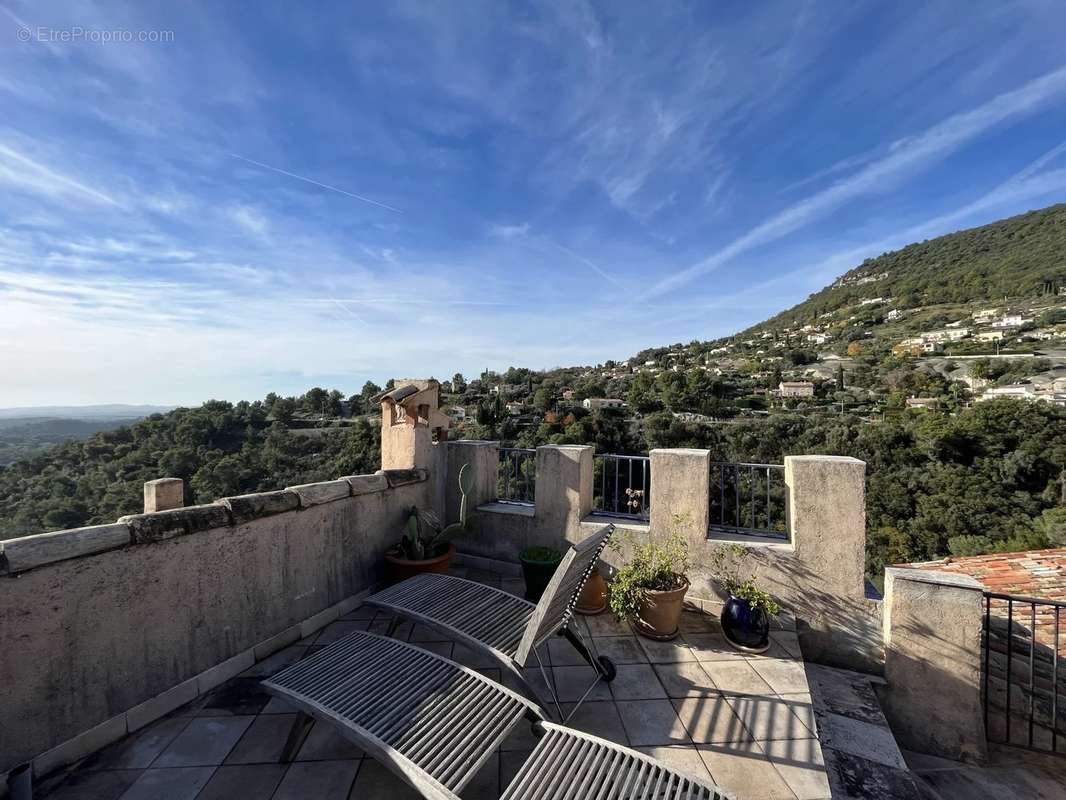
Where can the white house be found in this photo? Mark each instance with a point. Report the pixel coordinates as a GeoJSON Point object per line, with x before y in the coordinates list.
{"type": "Point", "coordinates": [795, 389]}
{"type": "Point", "coordinates": [596, 403]}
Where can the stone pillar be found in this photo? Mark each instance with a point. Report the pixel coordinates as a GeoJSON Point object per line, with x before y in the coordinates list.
{"type": "Point", "coordinates": [932, 628]}
{"type": "Point", "coordinates": [563, 494]}
{"type": "Point", "coordinates": [827, 520]}
{"type": "Point", "coordinates": [484, 461]}
{"type": "Point", "coordinates": [164, 494]}
{"type": "Point", "coordinates": [680, 486]}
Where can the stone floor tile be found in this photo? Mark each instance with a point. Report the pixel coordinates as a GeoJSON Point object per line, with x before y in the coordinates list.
{"type": "Point", "coordinates": [515, 586]}
{"type": "Point", "coordinates": [863, 739]}
{"type": "Point", "coordinates": [711, 647]}
{"type": "Point", "coordinates": [275, 662]}
{"type": "Point", "coordinates": [321, 780]}
{"type": "Point", "coordinates": [684, 758]}
{"type": "Point", "coordinates": [533, 677]}
{"type": "Point", "coordinates": [799, 762]}
{"type": "Point", "coordinates": [745, 771]}
{"type": "Point", "coordinates": [784, 677]}
{"type": "Point", "coordinates": [598, 718]}
{"type": "Point", "coordinates": [205, 741]}
{"type": "Point", "coordinates": [381, 626]}
{"type": "Point", "coordinates": [853, 778]}
{"type": "Point", "coordinates": [485, 785]}
{"type": "Point", "coordinates": [264, 740]}
{"type": "Point", "coordinates": [801, 705]}
{"type": "Point", "coordinates": [652, 722]}
{"type": "Point", "coordinates": [636, 682]}
{"type": "Point", "coordinates": [245, 781]}
{"type": "Point", "coordinates": [564, 654]}
{"type": "Point", "coordinates": [698, 622]}
{"type": "Point", "coordinates": [670, 652]}
{"type": "Point", "coordinates": [474, 659]}
{"type": "Point", "coordinates": [138, 750]}
{"type": "Point", "coordinates": [711, 720]}
{"type": "Point", "coordinates": [788, 641]}
{"type": "Point", "coordinates": [323, 743]}
{"type": "Point", "coordinates": [620, 649]}
{"type": "Point", "coordinates": [685, 679]}
{"type": "Point", "coordinates": [785, 621]}
{"type": "Point", "coordinates": [768, 717]}
{"type": "Point", "coordinates": [736, 676]}
{"type": "Point", "coordinates": [340, 629]}
{"type": "Point", "coordinates": [107, 785]}
{"type": "Point", "coordinates": [236, 697]}
{"type": "Point", "coordinates": [579, 625]}
{"type": "Point", "coordinates": [511, 762]}
{"type": "Point", "coordinates": [423, 633]}
{"type": "Point", "coordinates": [179, 783]}
{"type": "Point", "coordinates": [521, 738]}
{"type": "Point", "coordinates": [607, 625]}
{"type": "Point", "coordinates": [373, 782]}
{"type": "Point", "coordinates": [278, 705]}
{"type": "Point", "coordinates": [845, 693]}
{"type": "Point", "coordinates": [361, 612]}
{"type": "Point", "coordinates": [571, 683]}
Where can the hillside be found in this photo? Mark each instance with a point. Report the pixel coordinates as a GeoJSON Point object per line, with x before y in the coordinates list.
{"type": "Point", "coordinates": [1017, 257]}
{"type": "Point", "coordinates": [25, 437]}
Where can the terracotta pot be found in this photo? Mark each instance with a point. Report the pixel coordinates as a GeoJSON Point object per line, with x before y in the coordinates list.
{"type": "Point", "coordinates": [660, 613]}
{"type": "Point", "coordinates": [593, 599]}
{"type": "Point", "coordinates": [398, 568]}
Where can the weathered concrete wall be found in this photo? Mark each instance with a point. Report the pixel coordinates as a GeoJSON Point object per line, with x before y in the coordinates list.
{"type": "Point", "coordinates": [88, 631]}
{"type": "Point", "coordinates": [818, 574]}
{"type": "Point", "coordinates": [932, 633]}
{"type": "Point", "coordinates": [563, 497]}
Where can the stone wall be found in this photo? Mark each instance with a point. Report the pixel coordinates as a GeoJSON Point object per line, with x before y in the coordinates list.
{"type": "Point", "coordinates": [818, 574]}
{"type": "Point", "coordinates": [102, 627]}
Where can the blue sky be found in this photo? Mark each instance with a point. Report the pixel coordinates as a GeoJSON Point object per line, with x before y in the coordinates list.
{"type": "Point", "coordinates": [274, 199]}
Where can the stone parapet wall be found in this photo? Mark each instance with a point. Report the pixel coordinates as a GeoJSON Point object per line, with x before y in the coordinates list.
{"type": "Point", "coordinates": [100, 620]}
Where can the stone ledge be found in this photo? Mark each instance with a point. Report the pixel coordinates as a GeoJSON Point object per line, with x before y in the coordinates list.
{"type": "Point", "coordinates": [315, 494]}
{"type": "Point", "coordinates": [246, 507]}
{"type": "Point", "coordinates": [83, 744]}
{"type": "Point", "coordinates": [593, 522]}
{"type": "Point", "coordinates": [367, 484]}
{"type": "Point", "coordinates": [514, 509]}
{"type": "Point", "coordinates": [402, 477]}
{"type": "Point", "coordinates": [163, 525]}
{"type": "Point", "coordinates": [18, 555]}
{"type": "Point", "coordinates": [949, 579]}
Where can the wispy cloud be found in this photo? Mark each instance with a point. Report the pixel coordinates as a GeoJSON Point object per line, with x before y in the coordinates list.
{"type": "Point", "coordinates": [19, 171]}
{"type": "Point", "coordinates": [903, 160]}
{"type": "Point", "coordinates": [316, 183]}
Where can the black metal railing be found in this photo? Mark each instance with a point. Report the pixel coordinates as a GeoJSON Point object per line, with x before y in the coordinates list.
{"type": "Point", "coordinates": [621, 485]}
{"type": "Point", "coordinates": [517, 479]}
{"type": "Point", "coordinates": [748, 498]}
{"type": "Point", "coordinates": [1023, 688]}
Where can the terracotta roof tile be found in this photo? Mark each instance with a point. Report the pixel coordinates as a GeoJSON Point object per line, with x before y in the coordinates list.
{"type": "Point", "coordinates": [1040, 573]}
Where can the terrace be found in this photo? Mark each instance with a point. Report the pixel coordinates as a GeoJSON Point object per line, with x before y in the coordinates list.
{"type": "Point", "coordinates": [132, 652]}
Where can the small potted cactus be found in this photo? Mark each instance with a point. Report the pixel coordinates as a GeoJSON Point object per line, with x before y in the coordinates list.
{"type": "Point", "coordinates": [426, 545]}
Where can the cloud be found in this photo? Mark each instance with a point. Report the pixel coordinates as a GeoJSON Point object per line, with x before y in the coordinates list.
{"type": "Point", "coordinates": [251, 219]}
{"type": "Point", "coordinates": [509, 231]}
{"type": "Point", "coordinates": [904, 159]}
{"type": "Point", "coordinates": [22, 172]}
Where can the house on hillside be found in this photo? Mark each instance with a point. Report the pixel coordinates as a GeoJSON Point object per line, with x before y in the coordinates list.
{"type": "Point", "coordinates": [597, 403]}
{"type": "Point", "coordinates": [795, 389]}
{"type": "Point", "coordinates": [990, 336]}
{"type": "Point", "coordinates": [923, 403]}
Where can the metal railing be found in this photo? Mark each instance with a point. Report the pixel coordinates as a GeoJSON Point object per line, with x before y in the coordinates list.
{"type": "Point", "coordinates": [517, 478]}
{"type": "Point", "coordinates": [748, 498]}
{"type": "Point", "coordinates": [621, 486]}
{"type": "Point", "coordinates": [1023, 688]}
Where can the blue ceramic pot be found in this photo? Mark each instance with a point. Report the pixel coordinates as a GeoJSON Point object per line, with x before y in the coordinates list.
{"type": "Point", "coordinates": [745, 629]}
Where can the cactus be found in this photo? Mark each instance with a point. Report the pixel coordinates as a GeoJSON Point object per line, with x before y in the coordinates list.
{"type": "Point", "coordinates": [416, 545]}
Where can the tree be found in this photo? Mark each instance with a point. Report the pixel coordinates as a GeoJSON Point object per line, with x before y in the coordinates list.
{"type": "Point", "coordinates": [458, 383]}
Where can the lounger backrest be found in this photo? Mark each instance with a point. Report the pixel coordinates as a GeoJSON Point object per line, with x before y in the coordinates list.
{"type": "Point", "coordinates": [557, 604]}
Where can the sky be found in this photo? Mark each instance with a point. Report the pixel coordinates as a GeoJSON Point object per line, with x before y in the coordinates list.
{"type": "Point", "coordinates": [221, 200]}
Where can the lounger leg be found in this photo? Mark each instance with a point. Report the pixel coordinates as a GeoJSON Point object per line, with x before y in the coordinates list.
{"type": "Point", "coordinates": [583, 651]}
{"type": "Point", "coordinates": [301, 726]}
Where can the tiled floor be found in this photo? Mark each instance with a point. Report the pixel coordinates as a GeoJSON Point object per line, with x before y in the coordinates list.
{"type": "Point", "coordinates": [744, 722]}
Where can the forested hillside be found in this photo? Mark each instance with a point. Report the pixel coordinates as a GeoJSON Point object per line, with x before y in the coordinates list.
{"type": "Point", "coordinates": [1019, 256]}
{"type": "Point", "coordinates": [219, 449]}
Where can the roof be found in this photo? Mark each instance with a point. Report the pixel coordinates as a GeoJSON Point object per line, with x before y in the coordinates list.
{"type": "Point", "coordinates": [1037, 573]}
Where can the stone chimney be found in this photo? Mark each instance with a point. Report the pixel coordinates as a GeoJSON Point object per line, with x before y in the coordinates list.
{"type": "Point", "coordinates": [411, 422]}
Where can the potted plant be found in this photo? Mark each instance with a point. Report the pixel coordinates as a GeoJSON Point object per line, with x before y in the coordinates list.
{"type": "Point", "coordinates": [426, 545]}
{"type": "Point", "coordinates": [649, 590]}
{"type": "Point", "coordinates": [538, 566]}
{"type": "Point", "coordinates": [593, 598]}
{"type": "Point", "coordinates": [747, 610]}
